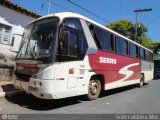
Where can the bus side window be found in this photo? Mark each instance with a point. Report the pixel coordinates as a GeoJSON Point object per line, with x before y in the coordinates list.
{"type": "Point", "coordinates": [75, 47]}
{"type": "Point", "coordinates": [125, 47]}
{"type": "Point", "coordinates": [142, 53]}
{"type": "Point", "coordinates": [119, 45]}
{"type": "Point", "coordinates": [132, 50]}
{"type": "Point", "coordinates": [91, 28]}
{"type": "Point", "coordinates": [151, 57]}
{"type": "Point", "coordinates": [82, 46]}
{"type": "Point", "coordinates": [137, 52]}
{"type": "Point", "coordinates": [112, 42]}
{"type": "Point", "coordinates": [103, 38]}
{"type": "Point", "coordinates": [147, 55]}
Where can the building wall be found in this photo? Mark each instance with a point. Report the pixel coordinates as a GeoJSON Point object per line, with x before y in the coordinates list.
{"type": "Point", "coordinates": [16, 21]}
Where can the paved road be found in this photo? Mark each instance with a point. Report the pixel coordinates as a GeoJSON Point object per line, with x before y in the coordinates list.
{"type": "Point", "coordinates": [124, 100]}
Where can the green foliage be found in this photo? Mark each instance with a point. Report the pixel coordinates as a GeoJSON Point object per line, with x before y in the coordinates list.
{"type": "Point", "coordinates": [141, 30]}
{"type": "Point", "coordinates": [146, 42]}
{"type": "Point", "coordinates": [126, 28]}
{"type": "Point", "coordinates": [123, 27]}
{"type": "Point", "coordinates": [150, 44]}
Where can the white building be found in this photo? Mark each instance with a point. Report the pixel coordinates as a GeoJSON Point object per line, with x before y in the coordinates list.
{"type": "Point", "coordinates": [13, 19]}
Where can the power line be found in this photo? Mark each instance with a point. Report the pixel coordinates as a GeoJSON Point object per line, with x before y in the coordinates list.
{"type": "Point", "coordinates": [153, 20]}
{"type": "Point", "coordinates": [106, 21]}
{"type": "Point", "coordinates": [42, 5]}
{"type": "Point", "coordinates": [58, 5]}
{"type": "Point", "coordinates": [49, 5]}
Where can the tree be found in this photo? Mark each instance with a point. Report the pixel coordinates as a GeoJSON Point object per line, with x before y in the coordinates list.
{"type": "Point", "coordinates": [123, 27]}
{"type": "Point", "coordinates": [127, 29]}
{"type": "Point", "coordinates": [148, 43]}
{"type": "Point", "coordinates": [141, 31]}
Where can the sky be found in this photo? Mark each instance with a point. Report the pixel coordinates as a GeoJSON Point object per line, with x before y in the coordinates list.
{"type": "Point", "coordinates": [110, 10]}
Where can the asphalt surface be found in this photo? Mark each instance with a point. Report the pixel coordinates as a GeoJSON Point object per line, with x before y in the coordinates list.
{"type": "Point", "coordinates": [131, 99]}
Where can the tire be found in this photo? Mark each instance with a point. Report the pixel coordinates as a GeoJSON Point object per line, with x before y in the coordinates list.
{"type": "Point", "coordinates": [94, 89]}
{"type": "Point", "coordinates": [141, 83]}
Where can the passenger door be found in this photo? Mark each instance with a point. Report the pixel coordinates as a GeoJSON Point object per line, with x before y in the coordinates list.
{"type": "Point", "coordinates": [70, 54]}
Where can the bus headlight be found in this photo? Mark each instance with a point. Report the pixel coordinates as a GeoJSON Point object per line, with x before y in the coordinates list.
{"type": "Point", "coordinates": [37, 83]}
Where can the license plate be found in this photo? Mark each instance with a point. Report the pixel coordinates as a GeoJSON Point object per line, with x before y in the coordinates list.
{"type": "Point", "coordinates": [30, 88]}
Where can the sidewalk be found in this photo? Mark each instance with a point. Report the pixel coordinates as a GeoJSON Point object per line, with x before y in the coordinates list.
{"type": "Point", "coordinates": [7, 89]}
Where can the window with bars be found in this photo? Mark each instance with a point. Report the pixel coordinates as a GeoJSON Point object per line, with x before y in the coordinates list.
{"type": "Point", "coordinates": [5, 34]}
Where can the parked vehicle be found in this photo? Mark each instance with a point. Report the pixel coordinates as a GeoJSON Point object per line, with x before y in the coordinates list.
{"type": "Point", "coordinates": [157, 69]}
{"type": "Point", "coordinates": [67, 54]}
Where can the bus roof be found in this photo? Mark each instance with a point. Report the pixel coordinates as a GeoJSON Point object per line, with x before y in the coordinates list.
{"type": "Point", "coordinates": [63, 15]}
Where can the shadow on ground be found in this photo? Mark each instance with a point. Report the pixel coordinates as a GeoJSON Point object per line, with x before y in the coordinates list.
{"type": "Point", "coordinates": [157, 78]}
{"type": "Point", "coordinates": [8, 88]}
{"type": "Point", "coordinates": [33, 103]}
{"type": "Point", "coordinates": [119, 90]}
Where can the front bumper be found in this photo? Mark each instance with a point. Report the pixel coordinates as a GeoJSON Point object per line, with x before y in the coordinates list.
{"type": "Point", "coordinates": [43, 89]}
{"type": "Point", "coordinates": [21, 85]}
{"type": "Point", "coordinates": [39, 88]}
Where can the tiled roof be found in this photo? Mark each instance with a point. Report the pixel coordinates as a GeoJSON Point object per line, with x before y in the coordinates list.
{"type": "Point", "coordinates": [17, 8]}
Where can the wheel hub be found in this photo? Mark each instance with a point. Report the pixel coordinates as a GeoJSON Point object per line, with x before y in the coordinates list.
{"type": "Point", "coordinates": [93, 88]}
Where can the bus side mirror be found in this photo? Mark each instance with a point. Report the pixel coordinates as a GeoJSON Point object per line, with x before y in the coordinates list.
{"type": "Point", "coordinates": [15, 43]}
{"type": "Point", "coordinates": [12, 43]}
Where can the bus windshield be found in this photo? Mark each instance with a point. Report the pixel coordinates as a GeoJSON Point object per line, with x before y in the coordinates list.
{"type": "Point", "coordinates": [38, 40]}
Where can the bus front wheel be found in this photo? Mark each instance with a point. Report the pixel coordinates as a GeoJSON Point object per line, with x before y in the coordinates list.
{"type": "Point", "coordinates": [94, 89]}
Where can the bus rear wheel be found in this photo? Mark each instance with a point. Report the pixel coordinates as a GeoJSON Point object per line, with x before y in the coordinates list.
{"type": "Point", "coordinates": [94, 89]}
{"type": "Point", "coordinates": [141, 83]}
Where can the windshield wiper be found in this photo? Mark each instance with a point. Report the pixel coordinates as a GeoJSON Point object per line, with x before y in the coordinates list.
{"type": "Point", "coordinates": [33, 54]}
{"type": "Point", "coordinates": [30, 50]}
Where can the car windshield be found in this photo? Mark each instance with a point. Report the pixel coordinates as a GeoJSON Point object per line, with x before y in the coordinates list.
{"type": "Point", "coordinates": [38, 41]}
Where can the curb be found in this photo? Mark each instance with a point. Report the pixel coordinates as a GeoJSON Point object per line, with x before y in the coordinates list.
{"type": "Point", "coordinates": [11, 94]}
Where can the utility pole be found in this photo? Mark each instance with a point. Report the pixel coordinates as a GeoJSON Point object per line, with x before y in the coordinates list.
{"type": "Point", "coordinates": [42, 8]}
{"type": "Point", "coordinates": [49, 5]}
{"type": "Point", "coordinates": [136, 26]}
